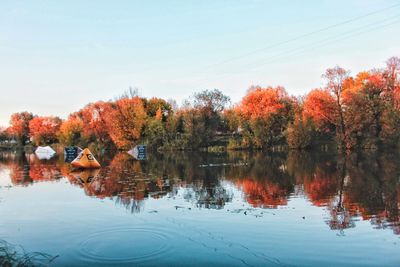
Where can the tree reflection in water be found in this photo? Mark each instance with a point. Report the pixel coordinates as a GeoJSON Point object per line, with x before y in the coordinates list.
{"type": "Point", "coordinates": [350, 187]}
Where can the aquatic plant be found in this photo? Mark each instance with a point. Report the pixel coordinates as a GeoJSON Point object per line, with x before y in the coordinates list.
{"type": "Point", "coordinates": [12, 255]}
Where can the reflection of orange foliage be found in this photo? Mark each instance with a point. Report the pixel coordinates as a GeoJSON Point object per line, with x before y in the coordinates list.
{"type": "Point", "coordinates": [18, 174]}
{"type": "Point", "coordinates": [120, 178]}
{"type": "Point", "coordinates": [24, 172]}
{"type": "Point", "coordinates": [267, 194]}
{"type": "Point", "coordinates": [320, 189]}
{"type": "Point", "coordinates": [43, 171]}
{"type": "Point", "coordinates": [65, 170]}
{"type": "Point", "coordinates": [380, 215]}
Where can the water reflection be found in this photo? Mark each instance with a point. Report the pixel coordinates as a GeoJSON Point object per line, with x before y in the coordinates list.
{"type": "Point", "coordinates": [350, 188]}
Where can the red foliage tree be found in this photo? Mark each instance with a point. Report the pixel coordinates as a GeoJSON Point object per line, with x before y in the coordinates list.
{"type": "Point", "coordinates": [319, 106]}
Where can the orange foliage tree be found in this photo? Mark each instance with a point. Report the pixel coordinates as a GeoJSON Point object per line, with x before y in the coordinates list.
{"type": "Point", "coordinates": [71, 131]}
{"type": "Point", "coordinates": [319, 106]}
{"type": "Point", "coordinates": [19, 126]}
{"type": "Point", "coordinates": [125, 121]}
{"type": "Point", "coordinates": [43, 130]}
{"type": "Point", "coordinates": [263, 102]}
{"type": "Point", "coordinates": [94, 118]}
{"type": "Point", "coordinates": [266, 113]}
{"type": "Point", "coordinates": [361, 112]}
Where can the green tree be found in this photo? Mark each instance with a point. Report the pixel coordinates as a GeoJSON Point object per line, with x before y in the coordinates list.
{"type": "Point", "coordinates": [155, 133]}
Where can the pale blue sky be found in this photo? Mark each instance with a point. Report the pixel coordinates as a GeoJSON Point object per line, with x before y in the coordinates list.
{"type": "Point", "coordinates": [57, 56]}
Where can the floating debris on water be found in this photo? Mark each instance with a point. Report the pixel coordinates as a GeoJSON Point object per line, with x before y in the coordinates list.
{"type": "Point", "coordinates": [223, 164]}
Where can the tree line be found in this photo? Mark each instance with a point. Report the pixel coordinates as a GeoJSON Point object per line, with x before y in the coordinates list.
{"type": "Point", "coordinates": [361, 111]}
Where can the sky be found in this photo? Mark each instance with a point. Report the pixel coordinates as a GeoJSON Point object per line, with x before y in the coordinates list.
{"type": "Point", "coordinates": [57, 56]}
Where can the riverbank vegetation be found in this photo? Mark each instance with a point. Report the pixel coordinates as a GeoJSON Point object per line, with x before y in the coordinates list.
{"type": "Point", "coordinates": [11, 255]}
{"type": "Point", "coordinates": [353, 112]}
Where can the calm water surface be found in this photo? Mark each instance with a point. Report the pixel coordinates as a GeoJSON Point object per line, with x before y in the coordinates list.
{"type": "Point", "coordinates": [183, 209]}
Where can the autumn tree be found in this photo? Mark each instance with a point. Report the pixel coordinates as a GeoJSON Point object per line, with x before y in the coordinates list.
{"type": "Point", "coordinates": [3, 134]}
{"type": "Point", "coordinates": [154, 106]}
{"type": "Point", "coordinates": [125, 121]}
{"type": "Point", "coordinates": [392, 79]}
{"type": "Point", "coordinates": [71, 132]}
{"type": "Point", "coordinates": [370, 113]}
{"type": "Point", "coordinates": [319, 106]}
{"type": "Point", "coordinates": [43, 130]}
{"type": "Point", "coordinates": [335, 78]}
{"type": "Point", "coordinates": [364, 109]}
{"type": "Point", "coordinates": [391, 96]}
{"type": "Point", "coordinates": [266, 113]}
{"type": "Point", "coordinates": [361, 112]}
{"type": "Point", "coordinates": [300, 133]}
{"type": "Point", "coordinates": [19, 126]}
{"type": "Point", "coordinates": [94, 118]}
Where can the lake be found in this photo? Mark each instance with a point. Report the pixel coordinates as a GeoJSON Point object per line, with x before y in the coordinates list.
{"type": "Point", "coordinates": [197, 209]}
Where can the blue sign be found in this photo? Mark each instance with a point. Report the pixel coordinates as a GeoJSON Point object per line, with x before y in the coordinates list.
{"type": "Point", "coordinates": [141, 152]}
{"type": "Point", "coordinates": [70, 153]}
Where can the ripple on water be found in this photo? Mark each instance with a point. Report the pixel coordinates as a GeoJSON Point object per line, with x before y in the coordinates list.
{"type": "Point", "coordinates": [125, 245]}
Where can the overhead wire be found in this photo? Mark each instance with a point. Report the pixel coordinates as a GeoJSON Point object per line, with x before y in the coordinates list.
{"type": "Point", "coordinates": [325, 42]}
{"type": "Point", "coordinates": [303, 36]}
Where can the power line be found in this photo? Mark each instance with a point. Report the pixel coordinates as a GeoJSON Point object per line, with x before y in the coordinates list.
{"type": "Point", "coordinates": [345, 35]}
{"type": "Point", "coordinates": [302, 36]}
{"type": "Point", "coordinates": [325, 42]}
{"type": "Point", "coordinates": [336, 40]}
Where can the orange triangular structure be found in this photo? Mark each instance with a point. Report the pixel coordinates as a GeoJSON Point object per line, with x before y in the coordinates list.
{"type": "Point", "coordinates": [86, 176]}
{"type": "Point", "coordinates": [85, 160]}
